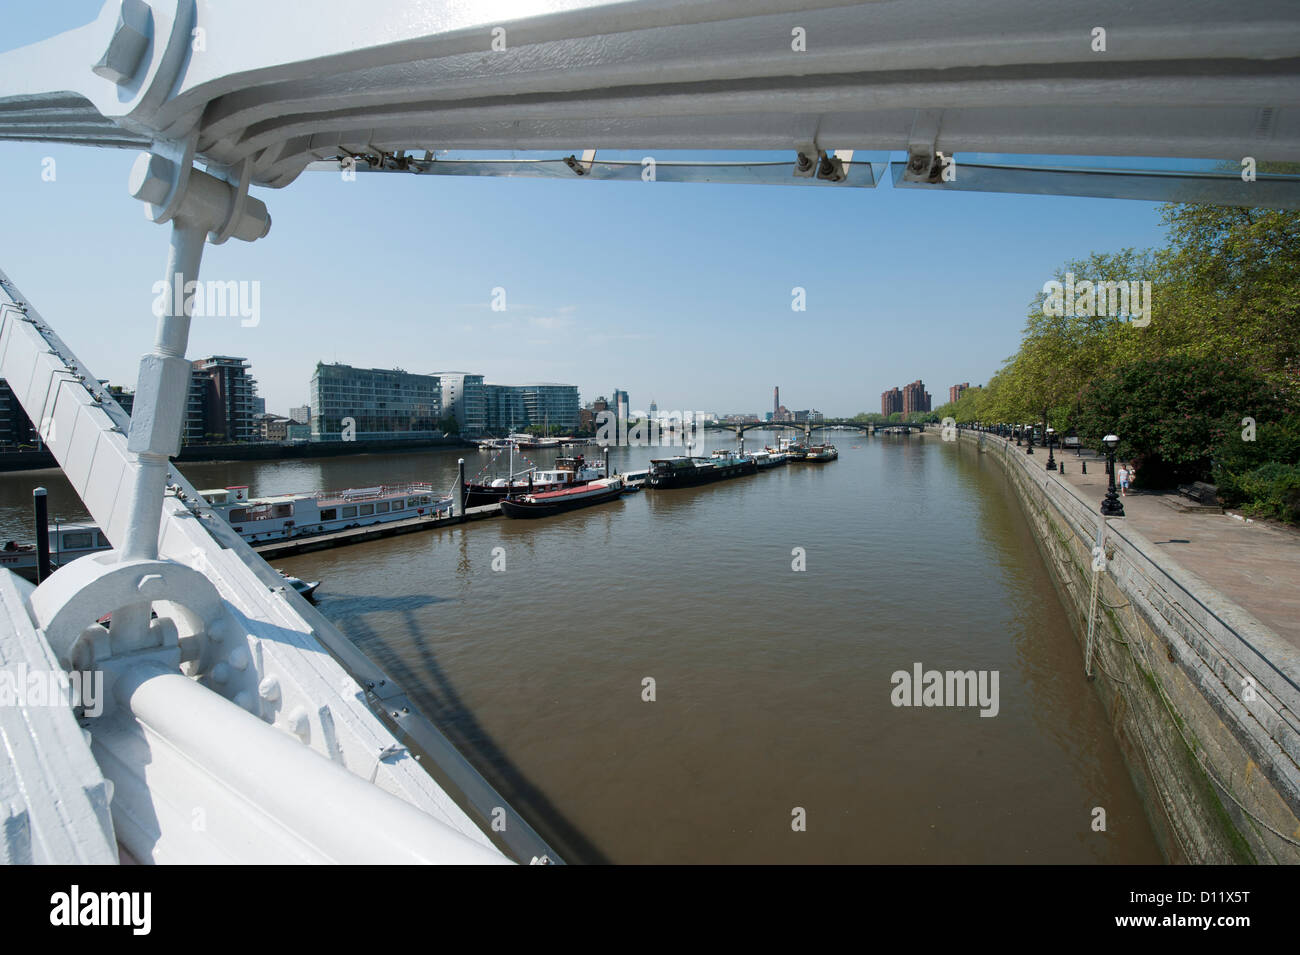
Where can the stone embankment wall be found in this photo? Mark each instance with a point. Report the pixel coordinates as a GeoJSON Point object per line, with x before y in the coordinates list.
{"type": "Point", "coordinates": [1203, 698]}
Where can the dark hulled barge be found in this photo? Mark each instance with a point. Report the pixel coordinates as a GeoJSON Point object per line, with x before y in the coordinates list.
{"type": "Point", "coordinates": [550, 503]}
{"type": "Point", "coordinates": [690, 472]}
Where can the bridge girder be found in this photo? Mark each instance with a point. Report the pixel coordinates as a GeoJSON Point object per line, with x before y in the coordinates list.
{"type": "Point", "coordinates": [266, 90]}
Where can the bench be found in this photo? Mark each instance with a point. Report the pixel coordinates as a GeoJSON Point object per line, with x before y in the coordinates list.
{"type": "Point", "coordinates": [1070, 441]}
{"type": "Point", "coordinates": [1200, 492]}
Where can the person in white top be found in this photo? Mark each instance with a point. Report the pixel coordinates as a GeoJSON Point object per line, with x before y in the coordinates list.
{"type": "Point", "coordinates": [1123, 476]}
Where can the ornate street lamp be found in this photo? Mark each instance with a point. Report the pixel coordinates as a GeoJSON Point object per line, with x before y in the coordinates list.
{"type": "Point", "coordinates": [1029, 433]}
{"type": "Point", "coordinates": [1111, 506]}
{"type": "Point", "coordinates": [1017, 429]}
{"type": "Point", "coordinates": [1051, 440]}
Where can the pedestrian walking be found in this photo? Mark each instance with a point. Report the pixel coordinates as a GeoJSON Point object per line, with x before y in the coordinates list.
{"type": "Point", "coordinates": [1123, 480]}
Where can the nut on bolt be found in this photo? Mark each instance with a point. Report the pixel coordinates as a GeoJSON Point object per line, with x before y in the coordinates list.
{"type": "Point", "coordinates": [127, 45]}
{"type": "Point", "coordinates": [151, 179]}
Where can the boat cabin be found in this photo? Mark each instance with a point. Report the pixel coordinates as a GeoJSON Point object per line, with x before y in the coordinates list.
{"type": "Point", "coordinates": [278, 517]}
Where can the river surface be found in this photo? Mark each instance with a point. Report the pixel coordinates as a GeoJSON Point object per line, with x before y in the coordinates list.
{"type": "Point", "coordinates": [773, 687]}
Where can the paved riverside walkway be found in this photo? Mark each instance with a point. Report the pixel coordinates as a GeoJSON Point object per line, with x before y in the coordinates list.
{"type": "Point", "coordinates": [1255, 565]}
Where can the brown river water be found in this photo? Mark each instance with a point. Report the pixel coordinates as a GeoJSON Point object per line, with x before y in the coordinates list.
{"type": "Point", "coordinates": [773, 734]}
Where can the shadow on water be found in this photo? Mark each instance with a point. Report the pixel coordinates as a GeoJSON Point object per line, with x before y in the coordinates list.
{"type": "Point", "coordinates": [436, 697]}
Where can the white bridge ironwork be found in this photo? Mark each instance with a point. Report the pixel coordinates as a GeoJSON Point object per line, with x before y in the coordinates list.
{"type": "Point", "coordinates": [221, 697]}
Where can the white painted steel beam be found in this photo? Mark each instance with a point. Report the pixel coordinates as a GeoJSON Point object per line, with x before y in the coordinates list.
{"type": "Point", "coordinates": [276, 657]}
{"type": "Point", "coordinates": [54, 800]}
{"type": "Point", "coordinates": [281, 88]}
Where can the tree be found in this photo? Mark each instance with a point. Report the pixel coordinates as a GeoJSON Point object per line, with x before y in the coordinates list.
{"type": "Point", "coordinates": [1172, 414]}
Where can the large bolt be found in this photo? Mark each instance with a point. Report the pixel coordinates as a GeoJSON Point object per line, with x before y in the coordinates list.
{"type": "Point", "coordinates": [298, 723]}
{"type": "Point", "coordinates": [269, 689]}
{"type": "Point", "coordinates": [151, 178]}
{"type": "Point", "coordinates": [126, 47]}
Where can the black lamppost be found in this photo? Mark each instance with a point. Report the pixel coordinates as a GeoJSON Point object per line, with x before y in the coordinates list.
{"type": "Point", "coordinates": [1029, 438]}
{"type": "Point", "coordinates": [1111, 506]}
{"type": "Point", "coordinates": [1018, 429]}
{"type": "Point", "coordinates": [1051, 440]}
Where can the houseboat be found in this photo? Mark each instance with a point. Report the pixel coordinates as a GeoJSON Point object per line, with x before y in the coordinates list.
{"type": "Point", "coordinates": [769, 459]}
{"type": "Point", "coordinates": [821, 453]}
{"type": "Point", "coordinates": [259, 520]}
{"type": "Point", "coordinates": [550, 503]}
{"type": "Point", "coordinates": [568, 472]}
{"type": "Point", "coordinates": [689, 471]}
{"type": "Point", "coordinates": [792, 449]}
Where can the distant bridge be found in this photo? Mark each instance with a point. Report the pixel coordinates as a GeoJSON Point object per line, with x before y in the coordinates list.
{"type": "Point", "coordinates": [808, 427]}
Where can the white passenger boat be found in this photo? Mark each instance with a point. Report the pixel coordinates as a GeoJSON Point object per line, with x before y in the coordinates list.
{"type": "Point", "coordinates": [67, 543]}
{"type": "Point", "coordinates": [284, 516]}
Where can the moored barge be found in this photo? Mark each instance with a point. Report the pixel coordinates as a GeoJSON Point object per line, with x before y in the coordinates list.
{"type": "Point", "coordinates": [689, 471]}
{"type": "Point", "coordinates": [569, 471]}
{"type": "Point", "coordinates": [550, 503]}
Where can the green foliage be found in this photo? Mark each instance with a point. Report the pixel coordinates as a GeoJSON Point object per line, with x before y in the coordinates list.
{"type": "Point", "coordinates": [540, 431]}
{"type": "Point", "coordinates": [1262, 477]}
{"type": "Point", "coordinates": [1173, 414]}
{"type": "Point", "coordinates": [1270, 490]}
{"type": "Point", "coordinates": [1223, 344]}
{"type": "Point", "coordinates": [449, 425]}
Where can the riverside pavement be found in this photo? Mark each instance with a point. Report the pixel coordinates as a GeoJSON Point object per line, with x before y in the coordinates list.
{"type": "Point", "coordinates": [1256, 565]}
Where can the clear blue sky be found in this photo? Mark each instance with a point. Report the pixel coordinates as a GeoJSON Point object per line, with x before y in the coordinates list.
{"type": "Point", "coordinates": [673, 292]}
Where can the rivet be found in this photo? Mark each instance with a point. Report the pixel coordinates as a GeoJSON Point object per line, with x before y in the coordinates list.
{"type": "Point", "coordinates": [298, 723]}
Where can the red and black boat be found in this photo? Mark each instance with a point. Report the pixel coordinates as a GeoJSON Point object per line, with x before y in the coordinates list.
{"type": "Point", "coordinates": [569, 471]}
{"type": "Point", "coordinates": [550, 503]}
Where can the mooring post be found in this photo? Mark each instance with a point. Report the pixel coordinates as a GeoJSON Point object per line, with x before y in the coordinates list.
{"type": "Point", "coordinates": [40, 505]}
{"type": "Point", "coordinates": [458, 502]}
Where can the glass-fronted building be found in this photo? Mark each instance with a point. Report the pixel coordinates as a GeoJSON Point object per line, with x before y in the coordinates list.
{"type": "Point", "coordinates": [464, 398]}
{"type": "Point", "coordinates": [377, 403]}
{"type": "Point", "coordinates": [537, 403]}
